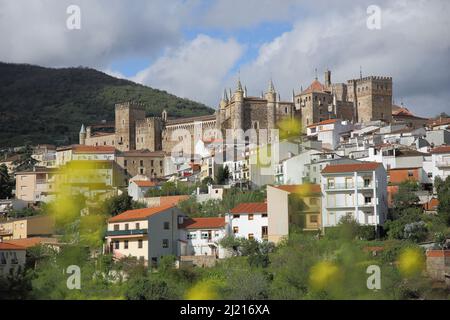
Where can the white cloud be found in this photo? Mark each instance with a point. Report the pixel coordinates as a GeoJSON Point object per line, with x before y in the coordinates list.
{"type": "Point", "coordinates": [35, 31]}
{"type": "Point", "coordinates": [410, 47]}
{"type": "Point", "coordinates": [196, 69]}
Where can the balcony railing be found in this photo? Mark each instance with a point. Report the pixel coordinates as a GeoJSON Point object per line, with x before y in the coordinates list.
{"type": "Point", "coordinates": [347, 186]}
{"type": "Point", "coordinates": [126, 232]}
{"type": "Point", "coordinates": [443, 164]}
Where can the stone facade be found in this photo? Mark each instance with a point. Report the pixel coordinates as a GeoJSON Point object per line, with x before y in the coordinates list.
{"type": "Point", "coordinates": [150, 164]}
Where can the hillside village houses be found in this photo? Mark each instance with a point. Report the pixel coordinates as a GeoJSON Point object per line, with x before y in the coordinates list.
{"type": "Point", "coordinates": [354, 148]}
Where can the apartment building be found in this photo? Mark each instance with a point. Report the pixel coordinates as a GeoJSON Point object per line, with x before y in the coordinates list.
{"type": "Point", "coordinates": [356, 190]}
{"type": "Point", "coordinates": [201, 237]}
{"type": "Point", "coordinates": [22, 228]}
{"type": "Point", "coordinates": [12, 259]}
{"type": "Point", "coordinates": [147, 234]}
{"type": "Point", "coordinates": [36, 185]}
{"type": "Point", "coordinates": [329, 132]}
{"type": "Point", "coordinates": [137, 188]}
{"type": "Point", "coordinates": [249, 221]}
{"type": "Point", "coordinates": [440, 162]}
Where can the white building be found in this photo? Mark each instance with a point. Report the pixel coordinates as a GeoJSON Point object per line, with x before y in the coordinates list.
{"type": "Point", "coordinates": [329, 131]}
{"type": "Point", "coordinates": [440, 162]}
{"type": "Point", "coordinates": [395, 156]}
{"type": "Point", "coordinates": [147, 234]}
{"type": "Point", "coordinates": [201, 237]}
{"type": "Point", "coordinates": [356, 190]}
{"type": "Point", "coordinates": [82, 152]}
{"type": "Point", "coordinates": [249, 221]}
{"type": "Point", "coordinates": [12, 258]}
{"type": "Point", "coordinates": [292, 169]}
{"type": "Point", "coordinates": [138, 187]}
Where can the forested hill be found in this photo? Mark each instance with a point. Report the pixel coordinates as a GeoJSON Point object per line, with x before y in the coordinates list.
{"type": "Point", "coordinates": [44, 105]}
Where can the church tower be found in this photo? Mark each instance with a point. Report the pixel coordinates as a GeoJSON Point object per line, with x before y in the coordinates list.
{"type": "Point", "coordinates": [83, 135]}
{"type": "Point", "coordinates": [271, 97]}
{"type": "Point", "coordinates": [238, 120]}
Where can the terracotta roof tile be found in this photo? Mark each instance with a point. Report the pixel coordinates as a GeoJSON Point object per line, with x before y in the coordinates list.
{"type": "Point", "coordinates": [431, 205]}
{"type": "Point", "coordinates": [202, 223]}
{"type": "Point", "coordinates": [140, 214]}
{"type": "Point", "coordinates": [252, 207]}
{"type": "Point", "coordinates": [144, 183]}
{"type": "Point", "coordinates": [315, 86]}
{"type": "Point", "coordinates": [324, 122]}
{"type": "Point", "coordinates": [172, 200]}
{"type": "Point", "coordinates": [10, 246]}
{"type": "Point", "coordinates": [354, 167]}
{"type": "Point", "coordinates": [441, 149]}
{"type": "Point", "coordinates": [77, 148]}
{"type": "Point", "coordinates": [31, 242]}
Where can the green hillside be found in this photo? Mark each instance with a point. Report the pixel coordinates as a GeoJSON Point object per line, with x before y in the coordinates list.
{"type": "Point", "coordinates": [43, 105]}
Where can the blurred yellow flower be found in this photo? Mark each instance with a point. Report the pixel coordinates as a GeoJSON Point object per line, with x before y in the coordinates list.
{"type": "Point", "coordinates": [204, 290]}
{"type": "Point", "coordinates": [323, 275]}
{"type": "Point", "coordinates": [411, 262]}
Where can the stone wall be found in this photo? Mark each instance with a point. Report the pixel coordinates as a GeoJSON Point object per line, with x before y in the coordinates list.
{"type": "Point", "coordinates": [438, 265]}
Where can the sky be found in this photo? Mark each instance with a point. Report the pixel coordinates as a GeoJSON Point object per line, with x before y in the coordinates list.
{"type": "Point", "coordinates": [196, 48]}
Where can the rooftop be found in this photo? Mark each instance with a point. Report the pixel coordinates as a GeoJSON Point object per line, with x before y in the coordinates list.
{"type": "Point", "coordinates": [77, 148]}
{"type": "Point", "coordinates": [353, 167]}
{"type": "Point", "coordinates": [441, 149]}
{"type": "Point", "coordinates": [202, 223]}
{"type": "Point", "coordinates": [9, 246]}
{"type": "Point", "coordinates": [252, 207]}
{"type": "Point", "coordinates": [324, 122]}
{"type": "Point", "coordinates": [315, 86]}
{"type": "Point", "coordinates": [145, 183]}
{"type": "Point", "coordinates": [140, 214]}
{"type": "Point", "coordinates": [303, 189]}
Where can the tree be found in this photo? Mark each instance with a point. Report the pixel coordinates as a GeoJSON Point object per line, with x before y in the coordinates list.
{"type": "Point", "coordinates": [223, 174]}
{"type": "Point", "coordinates": [405, 197]}
{"type": "Point", "coordinates": [147, 288]}
{"type": "Point", "coordinates": [118, 204]}
{"type": "Point", "coordinates": [443, 191]}
{"type": "Point", "coordinates": [6, 183]}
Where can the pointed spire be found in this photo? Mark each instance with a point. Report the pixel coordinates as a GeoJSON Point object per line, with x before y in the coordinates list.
{"type": "Point", "coordinates": [315, 70]}
{"type": "Point", "coordinates": [271, 87]}
{"type": "Point", "coordinates": [83, 129]}
{"type": "Point", "coordinates": [231, 95]}
{"type": "Point", "coordinates": [293, 95]}
{"type": "Point", "coordinates": [262, 94]}
{"type": "Point", "coordinates": [239, 86]}
{"type": "Point", "coordinates": [245, 91]}
{"type": "Point", "coordinates": [225, 95]}
{"type": "Point", "coordinates": [279, 97]}
{"type": "Point", "coordinates": [360, 72]}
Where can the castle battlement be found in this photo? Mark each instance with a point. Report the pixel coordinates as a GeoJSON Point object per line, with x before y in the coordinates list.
{"type": "Point", "coordinates": [370, 78]}
{"type": "Point", "coordinates": [130, 104]}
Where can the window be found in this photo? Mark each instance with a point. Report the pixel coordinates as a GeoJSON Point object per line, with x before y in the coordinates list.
{"type": "Point", "coordinates": [366, 182]}
{"type": "Point", "coordinates": [205, 235]}
{"type": "Point", "coordinates": [125, 245]}
{"type": "Point", "coordinates": [192, 236]}
{"type": "Point", "coordinates": [251, 236]}
{"type": "Point", "coordinates": [410, 173]}
{"type": "Point", "coordinates": [116, 227]}
{"type": "Point", "coordinates": [166, 225]}
{"type": "Point", "coordinates": [125, 163]}
{"type": "Point", "coordinates": [250, 217]}
{"type": "Point", "coordinates": [430, 174]}
{"type": "Point", "coordinates": [160, 163]}
{"type": "Point", "coordinates": [236, 216]}
{"type": "Point", "coordinates": [235, 230]}
{"type": "Point", "coordinates": [141, 171]}
{"type": "Point", "coordinates": [264, 215]}
{"type": "Point", "coordinates": [126, 226]}
{"type": "Point", "coordinates": [165, 243]}
{"type": "Point", "coordinates": [141, 163]}
{"type": "Point", "coordinates": [313, 218]}
{"type": "Point", "coordinates": [313, 201]}
{"type": "Point", "coordinates": [140, 243]}
{"type": "Point", "coordinates": [152, 162]}
{"type": "Point", "coordinates": [138, 226]}
{"type": "Point", "coordinates": [331, 183]}
{"type": "Point", "coordinates": [117, 245]}
{"type": "Point", "coordinates": [264, 232]}
{"type": "Point", "coordinates": [367, 200]}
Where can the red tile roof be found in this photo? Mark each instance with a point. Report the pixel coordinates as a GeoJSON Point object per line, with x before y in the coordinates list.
{"type": "Point", "coordinates": [315, 86]}
{"type": "Point", "coordinates": [439, 122]}
{"type": "Point", "coordinates": [441, 149]}
{"type": "Point", "coordinates": [252, 207]}
{"type": "Point", "coordinates": [139, 214]}
{"type": "Point", "coordinates": [10, 246]}
{"type": "Point", "coordinates": [301, 188]}
{"type": "Point", "coordinates": [144, 183]}
{"type": "Point", "coordinates": [77, 148]}
{"type": "Point", "coordinates": [31, 242]}
{"type": "Point", "coordinates": [324, 122]}
{"type": "Point", "coordinates": [354, 167]}
{"type": "Point", "coordinates": [172, 200]}
{"type": "Point", "coordinates": [431, 205]}
{"type": "Point", "coordinates": [202, 223]}
{"type": "Point", "coordinates": [438, 253]}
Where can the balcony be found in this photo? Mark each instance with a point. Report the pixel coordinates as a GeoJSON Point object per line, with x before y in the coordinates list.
{"type": "Point", "coordinates": [123, 233]}
{"type": "Point", "coordinates": [6, 232]}
{"type": "Point", "coordinates": [443, 164]}
{"type": "Point", "coordinates": [348, 187]}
